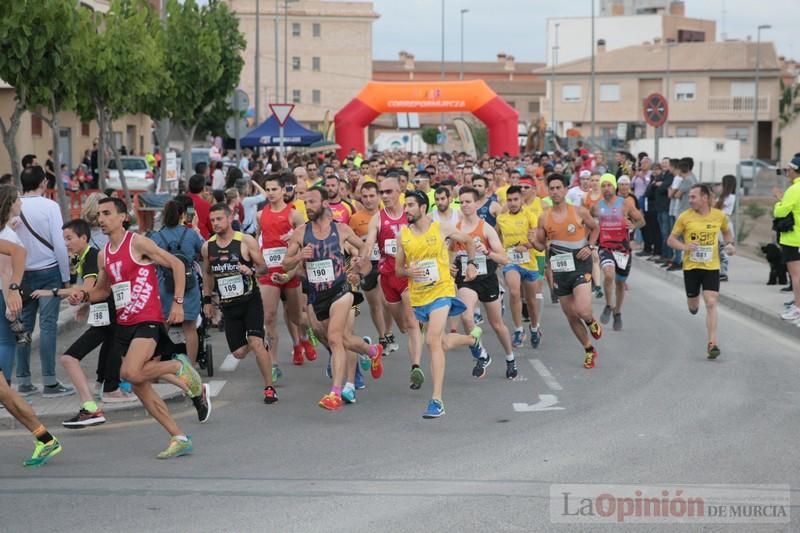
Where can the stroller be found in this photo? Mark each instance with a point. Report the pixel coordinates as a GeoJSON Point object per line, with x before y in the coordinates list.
{"type": "Point", "coordinates": [205, 352]}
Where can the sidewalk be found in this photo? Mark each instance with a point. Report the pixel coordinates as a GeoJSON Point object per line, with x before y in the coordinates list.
{"type": "Point", "coordinates": [747, 291]}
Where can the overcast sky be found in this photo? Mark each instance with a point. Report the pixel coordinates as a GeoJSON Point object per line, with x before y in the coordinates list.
{"type": "Point", "coordinates": [517, 27]}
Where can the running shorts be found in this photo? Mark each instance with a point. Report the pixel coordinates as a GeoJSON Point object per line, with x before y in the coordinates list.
{"type": "Point", "coordinates": [698, 279]}
{"type": "Point", "coordinates": [393, 287]}
{"type": "Point", "coordinates": [486, 287]}
{"type": "Point", "coordinates": [325, 299]}
{"type": "Point", "coordinates": [607, 259]}
{"type": "Point", "coordinates": [790, 253]}
{"type": "Point", "coordinates": [565, 282]}
{"type": "Point", "coordinates": [125, 335]}
{"type": "Point", "coordinates": [91, 339]}
{"type": "Point", "coordinates": [242, 320]}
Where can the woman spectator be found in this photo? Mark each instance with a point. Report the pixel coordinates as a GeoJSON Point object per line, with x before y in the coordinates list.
{"type": "Point", "coordinates": [726, 203]}
{"type": "Point", "coordinates": [217, 176]}
{"type": "Point", "coordinates": [234, 202]}
{"type": "Point", "coordinates": [250, 203]}
{"type": "Point", "coordinates": [91, 213]}
{"type": "Point", "coordinates": [10, 206]}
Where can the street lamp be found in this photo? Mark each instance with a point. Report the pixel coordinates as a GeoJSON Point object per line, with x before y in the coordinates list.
{"type": "Point", "coordinates": [593, 69]}
{"type": "Point", "coordinates": [553, 83]}
{"type": "Point", "coordinates": [257, 91]}
{"type": "Point", "coordinates": [755, 103]}
{"type": "Point", "coordinates": [441, 116]}
{"type": "Point", "coordinates": [461, 73]}
{"type": "Point", "coordinates": [670, 46]}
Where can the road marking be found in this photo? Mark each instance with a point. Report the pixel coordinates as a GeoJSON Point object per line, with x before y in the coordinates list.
{"type": "Point", "coordinates": [547, 402]}
{"type": "Point", "coordinates": [216, 386]}
{"type": "Point", "coordinates": [229, 364]}
{"type": "Point", "coordinates": [546, 375]}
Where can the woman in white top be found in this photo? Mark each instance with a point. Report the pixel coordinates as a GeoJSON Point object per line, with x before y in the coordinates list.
{"type": "Point", "coordinates": [10, 207]}
{"type": "Point", "coordinates": [726, 203]}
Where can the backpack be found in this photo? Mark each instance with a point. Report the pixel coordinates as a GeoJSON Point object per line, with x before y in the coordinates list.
{"type": "Point", "coordinates": [175, 249]}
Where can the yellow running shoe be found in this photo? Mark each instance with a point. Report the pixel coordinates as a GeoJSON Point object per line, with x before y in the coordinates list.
{"type": "Point", "coordinates": [177, 447]}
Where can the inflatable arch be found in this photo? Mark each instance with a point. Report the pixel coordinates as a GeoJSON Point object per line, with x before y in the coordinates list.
{"type": "Point", "coordinates": [473, 96]}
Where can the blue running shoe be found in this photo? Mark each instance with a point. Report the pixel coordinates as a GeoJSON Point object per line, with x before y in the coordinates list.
{"type": "Point", "coordinates": [536, 337]}
{"type": "Point", "coordinates": [435, 409]}
{"type": "Point", "coordinates": [363, 359]}
{"type": "Point", "coordinates": [475, 351]}
{"type": "Point", "coordinates": [516, 338]}
{"type": "Point", "coordinates": [349, 395]}
{"type": "Point", "coordinates": [360, 380]}
{"type": "Point", "coordinates": [477, 317]}
{"type": "Point", "coordinates": [277, 373]}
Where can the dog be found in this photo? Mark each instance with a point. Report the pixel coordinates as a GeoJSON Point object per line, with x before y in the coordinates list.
{"type": "Point", "coordinates": [777, 267]}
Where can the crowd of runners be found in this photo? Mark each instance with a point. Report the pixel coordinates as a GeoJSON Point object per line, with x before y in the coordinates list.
{"type": "Point", "coordinates": [435, 247]}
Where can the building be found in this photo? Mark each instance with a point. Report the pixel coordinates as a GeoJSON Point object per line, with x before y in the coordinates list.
{"type": "Point", "coordinates": [328, 47]}
{"type": "Point", "coordinates": [569, 38]}
{"type": "Point", "coordinates": [710, 88]}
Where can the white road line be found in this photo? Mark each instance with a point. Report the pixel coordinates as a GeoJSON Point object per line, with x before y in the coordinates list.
{"type": "Point", "coordinates": [230, 363]}
{"type": "Point", "coordinates": [546, 375]}
{"type": "Point", "coordinates": [216, 386]}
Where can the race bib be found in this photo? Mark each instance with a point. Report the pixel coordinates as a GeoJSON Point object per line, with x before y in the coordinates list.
{"type": "Point", "coordinates": [231, 286]}
{"type": "Point", "coordinates": [376, 253]}
{"type": "Point", "coordinates": [390, 247]}
{"type": "Point", "coordinates": [702, 254]}
{"type": "Point", "coordinates": [430, 271]}
{"type": "Point", "coordinates": [621, 259]}
{"type": "Point", "coordinates": [320, 271]}
{"type": "Point", "coordinates": [273, 257]}
{"type": "Point", "coordinates": [518, 258]}
{"type": "Point", "coordinates": [480, 261]}
{"type": "Point", "coordinates": [122, 294]}
{"type": "Point", "coordinates": [99, 315]}
{"type": "Point", "coordinates": [562, 263]}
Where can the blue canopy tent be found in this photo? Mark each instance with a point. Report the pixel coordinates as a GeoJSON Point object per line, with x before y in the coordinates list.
{"type": "Point", "coordinates": [268, 134]}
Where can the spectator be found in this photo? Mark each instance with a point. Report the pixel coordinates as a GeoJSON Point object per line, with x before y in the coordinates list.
{"type": "Point", "coordinates": [651, 230]}
{"type": "Point", "coordinates": [218, 176]}
{"type": "Point", "coordinates": [202, 207]}
{"type": "Point", "coordinates": [680, 188]}
{"type": "Point", "coordinates": [726, 203]}
{"type": "Point", "coordinates": [789, 204]}
{"type": "Point", "coordinates": [46, 267]}
{"type": "Point", "coordinates": [29, 160]}
{"type": "Point", "coordinates": [50, 170]}
{"type": "Point", "coordinates": [234, 202]}
{"type": "Point", "coordinates": [91, 213]}
{"type": "Point", "coordinates": [9, 208]}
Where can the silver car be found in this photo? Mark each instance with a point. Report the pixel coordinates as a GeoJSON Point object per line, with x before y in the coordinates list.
{"type": "Point", "coordinates": [137, 174]}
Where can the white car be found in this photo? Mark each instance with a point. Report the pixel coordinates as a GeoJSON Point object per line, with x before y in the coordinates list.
{"type": "Point", "coordinates": [137, 174]}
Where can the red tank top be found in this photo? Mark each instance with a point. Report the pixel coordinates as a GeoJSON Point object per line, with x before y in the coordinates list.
{"type": "Point", "coordinates": [134, 285]}
{"type": "Point", "coordinates": [275, 229]}
{"type": "Point", "coordinates": [388, 230]}
{"type": "Point", "coordinates": [613, 225]}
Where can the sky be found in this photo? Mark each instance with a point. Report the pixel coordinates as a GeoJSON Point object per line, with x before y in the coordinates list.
{"type": "Point", "coordinates": [517, 27]}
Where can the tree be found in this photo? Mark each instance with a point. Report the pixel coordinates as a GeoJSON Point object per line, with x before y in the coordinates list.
{"type": "Point", "coordinates": [788, 111]}
{"type": "Point", "coordinates": [430, 135]}
{"type": "Point", "coordinates": [481, 136]}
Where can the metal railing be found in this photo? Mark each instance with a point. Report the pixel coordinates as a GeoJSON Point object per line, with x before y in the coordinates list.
{"type": "Point", "coordinates": [736, 104]}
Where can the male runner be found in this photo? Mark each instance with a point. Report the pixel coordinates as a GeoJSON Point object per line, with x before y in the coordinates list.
{"type": "Point", "coordinates": [617, 218]}
{"type": "Point", "coordinates": [696, 233]}
{"type": "Point", "coordinates": [320, 244]}
{"type": "Point", "coordinates": [423, 258]}
{"type": "Point", "coordinates": [445, 212]}
{"type": "Point", "coordinates": [564, 227]}
{"type": "Point", "coordinates": [534, 206]}
{"type": "Point", "coordinates": [487, 207]}
{"type": "Point", "coordinates": [129, 273]}
{"type": "Point", "coordinates": [383, 229]}
{"type": "Point", "coordinates": [485, 288]}
{"type": "Point", "coordinates": [231, 260]}
{"type": "Point", "coordinates": [341, 208]}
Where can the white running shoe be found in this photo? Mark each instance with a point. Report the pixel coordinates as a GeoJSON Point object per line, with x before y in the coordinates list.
{"type": "Point", "coordinates": [792, 313]}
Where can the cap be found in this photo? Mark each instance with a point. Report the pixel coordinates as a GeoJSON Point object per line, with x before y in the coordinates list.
{"type": "Point", "coordinates": [795, 162]}
{"type": "Point", "coordinates": [610, 178]}
{"type": "Point", "coordinates": [584, 174]}
{"type": "Point", "coordinates": [526, 180]}
{"type": "Point", "coordinates": [623, 179]}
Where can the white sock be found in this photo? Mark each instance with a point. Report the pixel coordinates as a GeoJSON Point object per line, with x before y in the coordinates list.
{"type": "Point", "coordinates": [349, 385]}
{"type": "Point", "coordinates": [183, 438]}
{"type": "Point", "coordinates": [510, 357]}
{"type": "Point", "coordinates": [519, 330]}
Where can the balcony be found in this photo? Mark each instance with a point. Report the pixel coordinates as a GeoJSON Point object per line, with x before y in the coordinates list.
{"type": "Point", "coordinates": [737, 104]}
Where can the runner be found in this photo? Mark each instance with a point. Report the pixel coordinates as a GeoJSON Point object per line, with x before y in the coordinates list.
{"type": "Point", "coordinates": [522, 271]}
{"type": "Point", "coordinates": [534, 206]}
{"type": "Point", "coordinates": [320, 245]}
{"type": "Point", "coordinates": [341, 208]}
{"type": "Point", "coordinates": [488, 207]}
{"type": "Point", "coordinates": [485, 288]}
{"type": "Point", "coordinates": [383, 229]}
{"type": "Point", "coordinates": [592, 196]}
{"type": "Point", "coordinates": [617, 218]}
{"type": "Point", "coordinates": [696, 232]}
{"type": "Point", "coordinates": [129, 273]}
{"type": "Point", "coordinates": [565, 227]}
{"type": "Point", "coordinates": [445, 212]}
{"type": "Point", "coordinates": [423, 258]}
{"type": "Point", "coordinates": [231, 261]}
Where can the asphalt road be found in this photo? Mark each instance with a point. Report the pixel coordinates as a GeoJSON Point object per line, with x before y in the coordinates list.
{"type": "Point", "coordinates": [654, 411]}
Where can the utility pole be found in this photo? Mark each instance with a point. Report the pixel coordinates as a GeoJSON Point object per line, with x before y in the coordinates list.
{"type": "Point", "coordinates": [593, 69]}
{"type": "Point", "coordinates": [553, 83]}
{"type": "Point", "coordinates": [755, 103]}
{"type": "Point", "coordinates": [285, 51]}
{"type": "Point", "coordinates": [277, 72]}
{"type": "Point", "coordinates": [461, 73]}
{"type": "Point", "coordinates": [441, 116]}
{"type": "Point", "coordinates": [257, 90]}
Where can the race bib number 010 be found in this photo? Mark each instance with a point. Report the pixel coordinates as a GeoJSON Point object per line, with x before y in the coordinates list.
{"type": "Point", "coordinates": [320, 271]}
{"type": "Point", "coordinates": [273, 257]}
{"type": "Point", "coordinates": [231, 287]}
{"type": "Point", "coordinates": [562, 263]}
{"type": "Point", "coordinates": [122, 294]}
{"type": "Point", "coordinates": [429, 271]}
{"type": "Point", "coordinates": [702, 254]}
{"type": "Point", "coordinates": [99, 315]}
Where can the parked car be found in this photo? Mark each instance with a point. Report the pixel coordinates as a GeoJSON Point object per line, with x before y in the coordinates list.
{"type": "Point", "coordinates": [758, 176]}
{"type": "Point", "coordinates": [137, 174]}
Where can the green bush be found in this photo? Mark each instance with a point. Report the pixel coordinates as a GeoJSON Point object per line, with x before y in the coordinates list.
{"type": "Point", "coordinates": [429, 135]}
{"type": "Point", "coordinates": [755, 211]}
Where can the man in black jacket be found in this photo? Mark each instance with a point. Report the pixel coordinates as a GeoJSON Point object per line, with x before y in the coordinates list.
{"type": "Point", "coordinates": [662, 185]}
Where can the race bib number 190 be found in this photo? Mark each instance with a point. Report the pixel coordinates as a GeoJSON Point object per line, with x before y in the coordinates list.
{"type": "Point", "coordinates": [320, 271]}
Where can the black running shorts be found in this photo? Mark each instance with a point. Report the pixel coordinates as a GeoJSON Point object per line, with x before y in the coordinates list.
{"type": "Point", "coordinates": [242, 320]}
{"type": "Point", "coordinates": [125, 335]}
{"type": "Point", "coordinates": [486, 287]}
{"type": "Point", "coordinates": [91, 339]}
{"type": "Point", "coordinates": [698, 279]}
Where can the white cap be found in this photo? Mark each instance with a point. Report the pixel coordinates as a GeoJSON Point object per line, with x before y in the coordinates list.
{"type": "Point", "coordinates": [584, 174]}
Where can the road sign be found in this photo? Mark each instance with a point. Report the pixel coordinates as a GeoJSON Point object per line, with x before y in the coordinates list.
{"type": "Point", "coordinates": [230, 126]}
{"type": "Point", "coordinates": [655, 110]}
{"type": "Point", "coordinates": [239, 101]}
{"type": "Point", "coordinates": [281, 112]}
{"type": "Point", "coordinates": [172, 167]}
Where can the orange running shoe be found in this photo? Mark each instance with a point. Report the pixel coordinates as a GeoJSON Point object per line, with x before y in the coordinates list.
{"type": "Point", "coordinates": [595, 329]}
{"type": "Point", "coordinates": [308, 348]}
{"type": "Point", "coordinates": [331, 402]}
{"type": "Point", "coordinates": [297, 355]}
{"type": "Point", "coordinates": [591, 357]}
{"type": "Point", "coordinates": [377, 362]}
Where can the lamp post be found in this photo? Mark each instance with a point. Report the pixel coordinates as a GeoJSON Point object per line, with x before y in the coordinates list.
{"type": "Point", "coordinates": [461, 73]}
{"type": "Point", "coordinates": [285, 50]}
{"type": "Point", "coordinates": [670, 46]}
{"type": "Point", "coordinates": [755, 103]}
{"type": "Point", "coordinates": [593, 70]}
{"type": "Point", "coordinates": [553, 83]}
{"type": "Point", "coordinates": [277, 72]}
{"type": "Point", "coordinates": [257, 91]}
{"type": "Point", "coordinates": [441, 116]}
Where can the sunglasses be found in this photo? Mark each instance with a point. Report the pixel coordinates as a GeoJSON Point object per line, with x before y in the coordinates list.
{"type": "Point", "coordinates": [525, 187]}
{"type": "Point", "coordinates": [289, 188]}
{"type": "Point", "coordinates": [387, 191]}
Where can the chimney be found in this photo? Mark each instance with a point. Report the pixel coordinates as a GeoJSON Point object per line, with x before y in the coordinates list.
{"type": "Point", "coordinates": [407, 60]}
{"type": "Point", "coordinates": [677, 8]}
{"type": "Point", "coordinates": [601, 46]}
{"type": "Point", "coordinates": [508, 63]}
{"type": "Point", "coordinates": [501, 57]}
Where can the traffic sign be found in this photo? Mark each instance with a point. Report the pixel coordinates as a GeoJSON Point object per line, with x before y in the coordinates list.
{"type": "Point", "coordinates": [230, 126]}
{"type": "Point", "coordinates": [239, 101]}
{"type": "Point", "coordinates": [655, 110]}
{"type": "Point", "coordinates": [281, 112]}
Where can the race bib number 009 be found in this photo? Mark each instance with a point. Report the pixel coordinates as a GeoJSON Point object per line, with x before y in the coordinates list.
{"type": "Point", "coordinates": [390, 247]}
{"type": "Point", "coordinates": [122, 294]}
{"type": "Point", "coordinates": [702, 254]}
{"type": "Point", "coordinates": [273, 257]}
{"type": "Point", "coordinates": [320, 271]}
{"type": "Point", "coordinates": [562, 263]}
{"type": "Point", "coordinates": [429, 271]}
{"type": "Point", "coordinates": [99, 315]}
{"type": "Point", "coordinates": [231, 287]}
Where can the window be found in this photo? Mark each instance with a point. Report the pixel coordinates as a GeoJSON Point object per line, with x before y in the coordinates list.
{"type": "Point", "coordinates": [296, 96]}
{"type": "Point", "coordinates": [85, 132]}
{"type": "Point", "coordinates": [295, 63]}
{"type": "Point", "coordinates": [36, 125]}
{"type": "Point", "coordinates": [316, 96]}
{"type": "Point", "coordinates": [609, 92]}
{"type": "Point", "coordinates": [686, 131]}
{"type": "Point", "coordinates": [737, 133]}
{"type": "Point", "coordinates": [315, 64]}
{"type": "Point", "coordinates": [571, 93]}
{"type": "Point", "coordinates": [316, 29]}
{"type": "Point", "coordinates": [743, 89]}
{"type": "Point", "coordinates": [533, 107]}
{"type": "Point", "coordinates": [685, 91]}
{"type": "Point", "coordinates": [295, 29]}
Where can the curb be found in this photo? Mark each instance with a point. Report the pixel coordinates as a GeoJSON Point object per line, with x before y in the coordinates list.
{"type": "Point", "coordinates": [768, 317]}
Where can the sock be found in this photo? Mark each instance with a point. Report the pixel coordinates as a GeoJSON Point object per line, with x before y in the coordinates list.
{"type": "Point", "coordinates": [535, 328]}
{"type": "Point", "coordinates": [336, 390]}
{"type": "Point", "coordinates": [182, 438]}
{"type": "Point", "coordinates": [297, 342]}
{"type": "Point", "coordinates": [510, 357]}
{"type": "Point", "coordinates": [518, 330]}
{"type": "Point", "coordinates": [349, 385]}
{"type": "Point", "coordinates": [589, 322]}
{"type": "Point", "coordinates": [414, 366]}
{"type": "Point", "coordinates": [588, 349]}
{"type": "Point", "coordinates": [42, 435]}
{"type": "Point", "coordinates": [90, 406]}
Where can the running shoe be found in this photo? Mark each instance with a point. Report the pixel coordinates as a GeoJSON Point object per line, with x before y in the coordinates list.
{"type": "Point", "coordinates": [383, 342]}
{"type": "Point", "coordinates": [477, 317]}
{"type": "Point", "coordinates": [202, 404]}
{"type": "Point", "coordinates": [517, 338]}
{"type": "Point", "coordinates": [475, 351]}
{"type": "Point", "coordinates": [331, 402]}
{"type": "Point", "coordinates": [43, 452]}
{"type": "Point", "coordinates": [377, 362]}
{"type": "Point", "coordinates": [713, 351]}
{"type": "Point", "coordinates": [270, 396]}
{"type": "Point", "coordinates": [481, 365]}
{"type": "Point", "coordinates": [57, 391]}
{"type": "Point", "coordinates": [177, 447]}
{"type": "Point", "coordinates": [536, 337]}
{"type": "Point", "coordinates": [792, 313]}
{"type": "Point", "coordinates": [598, 292]}
{"type": "Point", "coordinates": [364, 362]}
{"type": "Point", "coordinates": [189, 376]}
{"type": "Point", "coordinates": [349, 395]}
{"type": "Point", "coordinates": [359, 382]}
{"type": "Point", "coordinates": [297, 355]}
{"type": "Point", "coordinates": [595, 329]}
{"type": "Point", "coordinates": [277, 373]}
{"type": "Point", "coordinates": [85, 419]}
{"type": "Point", "coordinates": [27, 389]}
{"type": "Point", "coordinates": [591, 358]}
{"type": "Point", "coordinates": [417, 378]}
{"type": "Point", "coordinates": [393, 346]}
{"type": "Point", "coordinates": [435, 409]}
{"type": "Point", "coordinates": [617, 322]}
{"type": "Point", "coordinates": [308, 349]}
{"type": "Point", "coordinates": [605, 316]}
{"type": "Point", "coordinates": [788, 304]}
{"type": "Point", "coordinates": [511, 369]}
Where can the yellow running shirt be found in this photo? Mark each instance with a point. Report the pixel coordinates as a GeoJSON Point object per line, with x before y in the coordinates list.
{"type": "Point", "coordinates": [702, 230]}
{"type": "Point", "coordinates": [535, 210]}
{"type": "Point", "coordinates": [514, 231]}
{"type": "Point", "coordinates": [430, 252]}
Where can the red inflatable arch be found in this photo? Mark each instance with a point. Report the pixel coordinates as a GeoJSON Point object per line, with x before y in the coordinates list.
{"type": "Point", "coordinates": [428, 97]}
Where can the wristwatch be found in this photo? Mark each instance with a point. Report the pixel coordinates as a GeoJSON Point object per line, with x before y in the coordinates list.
{"type": "Point", "coordinates": [178, 300]}
{"type": "Point", "coordinates": [55, 291]}
{"type": "Point", "coordinates": [14, 287]}
{"type": "Point", "coordinates": [206, 299]}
